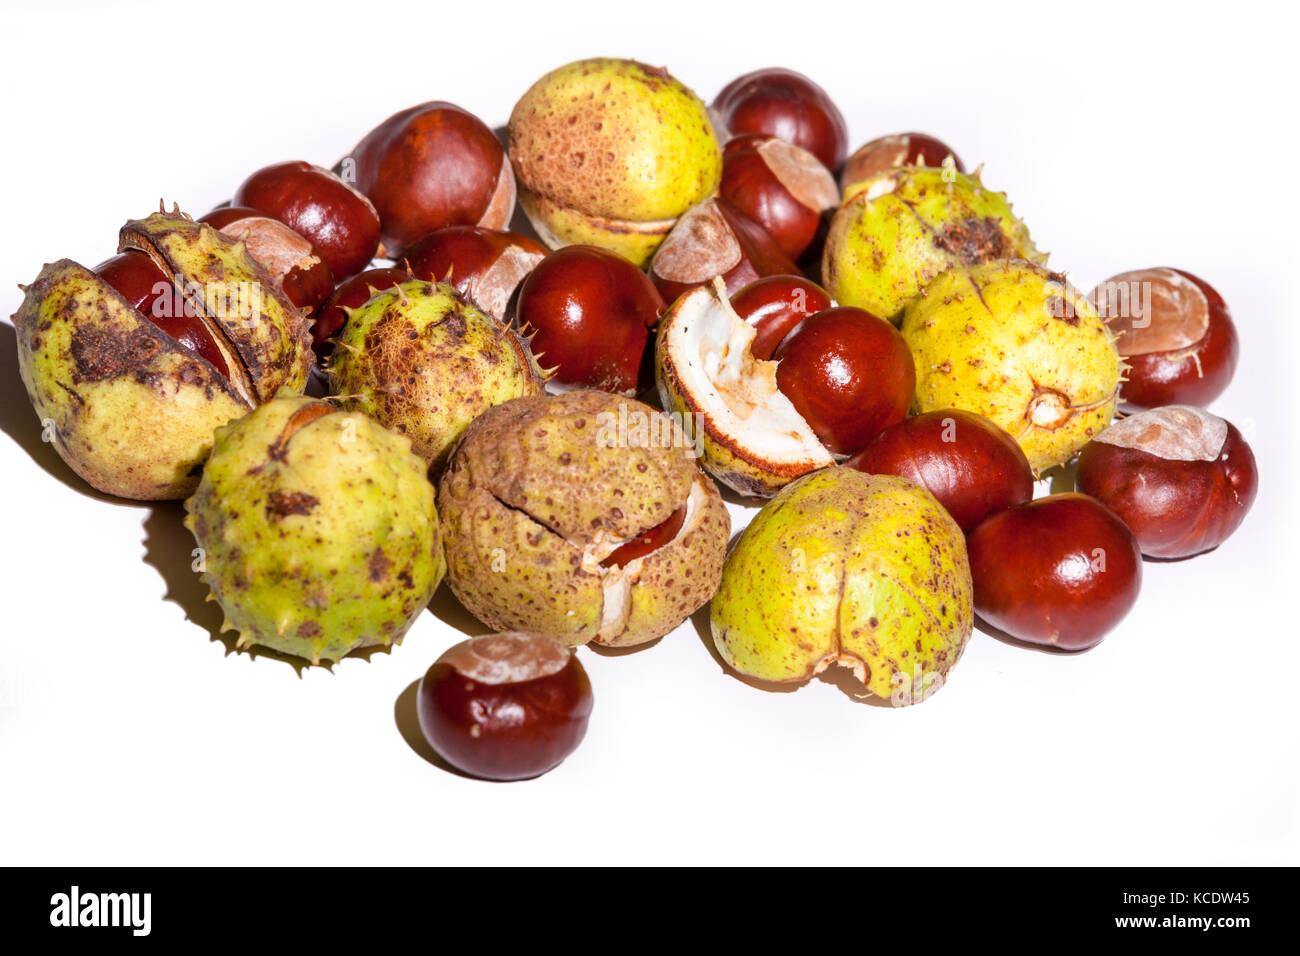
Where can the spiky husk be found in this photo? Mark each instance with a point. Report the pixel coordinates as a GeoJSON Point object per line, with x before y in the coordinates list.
{"type": "Point", "coordinates": [318, 534]}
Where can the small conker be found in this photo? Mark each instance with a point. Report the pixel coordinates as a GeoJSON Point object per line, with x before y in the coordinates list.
{"type": "Point", "coordinates": [591, 313]}
{"type": "Point", "coordinates": [774, 305]}
{"type": "Point", "coordinates": [505, 706]}
{"type": "Point", "coordinates": [972, 466]}
{"type": "Point", "coordinates": [1180, 478]}
{"type": "Point", "coordinates": [431, 166]}
{"type": "Point", "coordinates": [1174, 331]}
{"type": "Point", "coordinates": [351, 294]}
{"type": "Point", "coordinates": [784, 104]}
{"type": "Point", "coordinates": [782, 187]}
{"type": "Point", "coordinates": [895, 151]}
{"type": "Point", "coordinates": [716, 239]}
{"type": "Point", "coordinates": [485, 265]}
{"type": "Point", "coordinates": [848, 373]}
{"type": "Point", "coordinates": [340, 223]}
{"type": "Point", "coordinates": [1060, 571]}
{"type": "Point", "coordinates": [303, 275]}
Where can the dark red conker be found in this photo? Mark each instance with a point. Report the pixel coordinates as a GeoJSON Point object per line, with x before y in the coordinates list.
{"type": "Point", "coordinates": [505, 706]}
{"type": "Point", "coordinates": [971, 465]}
{"type": "Point", "coordinates": [787, 105]}
{"type": "Point", "coordinates": [783, 188]}
{"type": "Point", "coordinates": [1060, 571]}
{"type": "Point", "coordinates": [848, 373]}
{"type": "Point", "coordinates": [895, 151]}
{"type": "Point", "coordinates": [774, 305]}
{"type": "Point", "coordinates": [1180, 478]}
{"type": "Point", "coordinates": [592, 312]}
{"type": "Point", "coordinates": [340, 223]}
{"type": "Point", "coordinates": [484, 265]}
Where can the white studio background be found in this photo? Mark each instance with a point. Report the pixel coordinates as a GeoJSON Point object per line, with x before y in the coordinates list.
{"type": "Point", "coordinates": [1127, 136]}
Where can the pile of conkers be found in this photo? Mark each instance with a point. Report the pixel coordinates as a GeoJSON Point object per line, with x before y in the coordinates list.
{"type": "Point", "coordinates": [872, 341]}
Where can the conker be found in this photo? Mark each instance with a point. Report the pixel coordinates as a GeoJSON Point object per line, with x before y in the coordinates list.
{"type": "Point", "coordinates": [154, 295]}
{"type": "Point", "coordinates": [340, 223]}
{"type": "Point", "coordinates": [1060, 571]}
{"type": "Point", "coordinates": [591, 312]}
{"type": "Point", "coordinates": [431, 166]}
{"type": "Point", "coordinates": [1180, 478]}
{"type": "Point", "coordinates": [716, 239]}
{"type": "Point", "coordinates": [1174, 331]}
{"type": "Point", "coordinates": [784, 104]}
{"type": "Point", "coordinates": [351, 294]}
{"type": "Point", "coordinates": [782, 187]}
{"type": "Point", "coordinates": [505, 706]}
{"type": "Point", "coordinates": [972, 466]}
{"type": "Point", "coordinates": [848, 373]}
{"type": "Point", "coordinates": [485, 265]}
{"type": "Point", "coordinates": [303, 275]}
{"type": "Point", "coordinates": [774, 305]}
{"type": "Point", "coordinates": [895, 151]}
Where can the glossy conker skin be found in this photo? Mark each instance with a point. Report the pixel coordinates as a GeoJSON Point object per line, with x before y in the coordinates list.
{"type": "Point", "coordinates": [591, 313]}
{"type": "Point", "coordinates": [716, 239]}
{"type": "Point", "coordinates": [350, 294]}
{"type": "Point", "coordinates": [848, 373]}
{"type": "Point", "coordinates": [782, 187]}
{"type": "Point", "coordinates": [150, 292]}
{"type": "Point", "coordinates": [774, 305]}
{"type": "Point", "coordinates": [973, 467]}
{"type": "Point", "coordinates": [431, 166]}
{"type": "Point", "coordinates": [340, 223]}
{"type": "Point", "coordinates": [895, 151]}
{"type": "Point", "coordinates": [787, 105]}
{"type": "Point", "coordinates": [507, 706]}
{"type": "Point", "coordinates": [1184, 352]}
{"type": "Point", "coordinates": [484, 265]}
{"type": "Point", "coordinates": [290, 258]}
{"type": "Point", "coordinates": [1180, 490]}
{"type": "Point", "coordinates": [1061, 571]}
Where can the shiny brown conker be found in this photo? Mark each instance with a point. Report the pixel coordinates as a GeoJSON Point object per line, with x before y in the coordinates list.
{"type": "Point", "coordinates": [784, 104]}
{"type": "Point", "coordinates": [848, 373]}
{"type": "Point", "coordinates": [303, 275]}
{"type": "Point", "coordinates": [1060, 571]}
{"type": "Point", "coordinates": [774, 305]}
{"type": "Point", "coordinates": [1180, 478]}
{"type": "Point", "coordinates": [340, 223]}
{"type": "Point", "coordinates": [782, 187]}
{"type": "Point", "coordinates": [484, 265]}
{"type": "Point", "coordinates": [591, 313]}
{"type": "Point", "coordinates": [971, 465]}
{"type": "Point", "coordinates": [895, 151]}
{"type": "Point", "coordinates": [1175, 333]}
{"type": "Point", "coordinates": [506, 706]}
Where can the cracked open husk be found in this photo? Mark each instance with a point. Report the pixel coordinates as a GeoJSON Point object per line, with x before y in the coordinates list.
{"type": "Point", "coordinates": [899, 229]}
{"type": "Point", "coordinates": [317, 528]}
{"type": "Point", "coordinates": [132, 410]}
{"type": "Point", "coordinates": [541, 491]}
{"type": "Point", "coordinates": [1016, 343]}
{"type": "Point", "coordinates": [842, 567]}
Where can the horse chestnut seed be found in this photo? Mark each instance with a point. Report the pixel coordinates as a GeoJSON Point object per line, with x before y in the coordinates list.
{"type": "Point", "coordinates": [783, 188]}
{"type": "Point", "coordinates": [1181, 478]}
{"type": "Point", "coordinates": [784, 104]}
{"type": "Point", "coordinates": [303, 275]}
{"type": "Point", "coordinates": [1174, 331]}
{"type": "Point", "coordinates": [1060, 571]}
{"type": "Point", "coordinates": [895, 151]}
{"type": "Point", "coordinates": [711, 239]}
{"type": "Point", "coordinates": [848, 373]}
{"type": "Point", "coordinates": [340, 223]}
{"type": "Point", "coordinates": [505, 706]}
{"type": "Point", "coordinates": [485, 265]}
{"type": "Point", "coordinates": [591, 313]}
{"type": "Point", "coordinates": [971, 465]}
{"type": "Point", "coordinates": [431, 166]}
{"type": "Point", "coordinates": [351, 294]}
{"type": "Point", "coordinates": [774, 305]}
